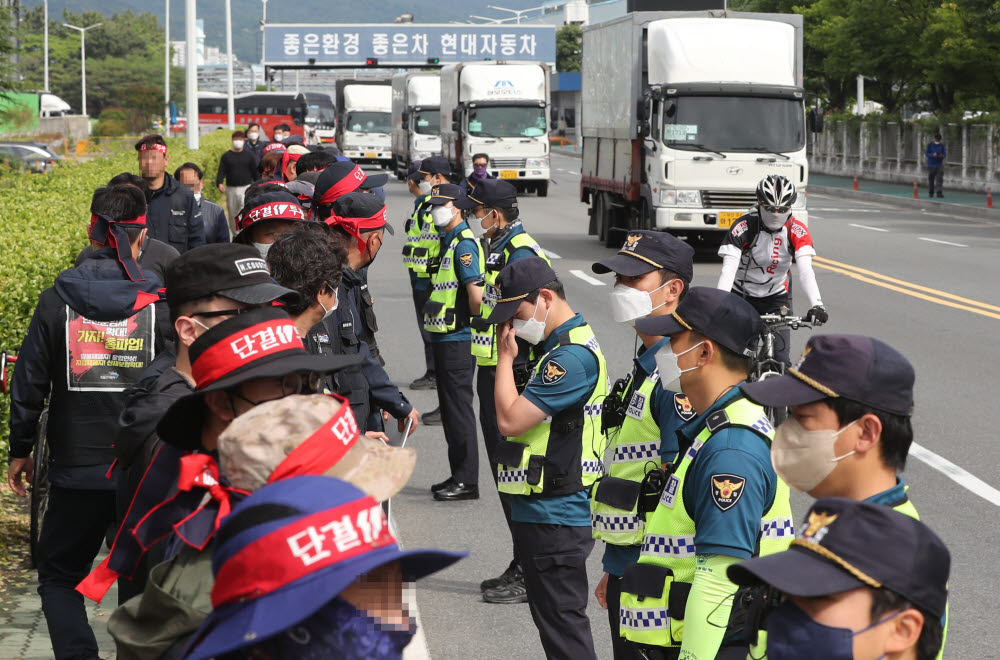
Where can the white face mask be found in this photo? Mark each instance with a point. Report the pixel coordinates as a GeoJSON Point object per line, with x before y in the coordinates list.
{"type": "Point", "coordinates": [327, 312]}
{"type": "Point", "coordinates": [237, 144]}
{"type": "Point", "coordinates": [670, 372]}
{"type": "Point", "coordinates": [476, 225]}
{"type": "Point", "coordinates": [425, 187]}
{"type": "Point", "coordinates": [442, 215]}
{"type": "Point", "coordinates": [628, 304]}
{"type": "Point", "coordinates": [263, 248]}
{"type": "Point", "coordinates": [197, 197]}
{"type": "Point", "coordinates": [253, 136]}
{"type": "Point", "coordinates": [532, 330]}
{"type": "Point", "coordinates": [278, 137]}
{"type": "Point", "coordinates": [805, 458]}
{"type": "Point", "coordinates": [774, 221]}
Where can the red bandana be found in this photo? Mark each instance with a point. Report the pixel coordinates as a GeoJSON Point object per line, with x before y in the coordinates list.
{"type": "Point", "coordinates": [162, 148]}
{"type": "Point", "coordinates": [301, 548]}
{"type": "Point", "coordinates": [354, 226]}
{"type": "Point", "coordinates": [324, 448]}
{"type": "Point", "coordinates": [270, 211]}
{"type": "Point", "coordinates": [348, 184]}
{"type": "Point", "coordinates": [107, 231]}
{"type": "Point", "coordinates": [236, 351]}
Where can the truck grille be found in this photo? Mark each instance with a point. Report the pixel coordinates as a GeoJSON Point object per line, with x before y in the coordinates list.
{"type": "Point", "coordinates": [508, 163]}
{"type": "Point", "coordinates": [728, 199]}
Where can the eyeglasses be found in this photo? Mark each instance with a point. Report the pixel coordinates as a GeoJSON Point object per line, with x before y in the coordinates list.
{"type": "Point", "coordinates": [776, 209]}
{"type": "Point", "coordinates": [299, 382]}
{"type": "Point", "coordinates": [224, 312]}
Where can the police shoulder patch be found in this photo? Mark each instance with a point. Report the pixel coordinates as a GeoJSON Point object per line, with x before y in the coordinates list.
{"type": "Point", "coordinates": [466, 259]}
{"type": "Point", "coordinates": [683, 407]}
{"type": "Point", "coordinates": [727, 490]}
{"type": "Point", "coordinates": [552, 372]}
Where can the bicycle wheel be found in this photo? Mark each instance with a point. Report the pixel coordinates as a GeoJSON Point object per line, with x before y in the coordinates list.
{"type": "Point", "coordinates": [39, 484]}
{"type": "Point", "coordinates": [775, 414]}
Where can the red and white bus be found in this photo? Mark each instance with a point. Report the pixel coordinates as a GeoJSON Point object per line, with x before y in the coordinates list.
{"type": "Point", "coordinates": [265, 108]}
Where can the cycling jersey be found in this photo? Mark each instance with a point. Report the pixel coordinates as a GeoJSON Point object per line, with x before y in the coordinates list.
{"type": "Point", "coordinates": [765, 258]}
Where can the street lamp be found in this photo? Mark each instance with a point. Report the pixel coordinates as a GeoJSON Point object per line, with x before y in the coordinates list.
{"type": "Point", "coordinates": [83, 58]}
{"type": "Point", "coordinates": [45, 55]}
{"type": "Point", "coordinates": [517, 12]}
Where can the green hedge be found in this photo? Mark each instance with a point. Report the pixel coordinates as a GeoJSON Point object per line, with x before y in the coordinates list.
{"type": "Point", "coordinates": [45, 219]}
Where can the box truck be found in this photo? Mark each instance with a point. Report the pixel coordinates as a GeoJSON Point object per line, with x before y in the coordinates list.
{"type": "Point", "coordinates": [500, 109]}
{"type": "Point", "coordinates": [416, 118]}
{"type": "Point", "coordinates": [684, 113]}
{"type": "Point", "coordinates": [364, 114]}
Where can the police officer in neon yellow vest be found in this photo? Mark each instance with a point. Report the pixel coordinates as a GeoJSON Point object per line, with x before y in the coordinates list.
{"type": "Point", "coordinates": [496, 217]}
{"type": "Point", "coordinates": [550, 457]}
{"type": "Point", "coordinates": [722, 501]}
{"type": "Point", "coordinates": [418, 226]}
{"type": "Point", "coordinates": [849, 432]}
{"type": "Point", "coordinates": [456, 295]}
{"type": "Point", "coordinates": [652, 271]}
{"type": "Point", "coordinates": [861, 581]}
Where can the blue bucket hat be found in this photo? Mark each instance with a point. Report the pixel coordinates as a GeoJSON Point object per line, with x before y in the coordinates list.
{"type": "Point", "coordinates": [287, 550]}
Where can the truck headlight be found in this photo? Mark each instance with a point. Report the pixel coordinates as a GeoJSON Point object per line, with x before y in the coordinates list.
{"type": "Point", "coordinates": [680, 197]}
{"type": "Point", "coordinates": [800, 201]}
{"type": "Point", "coordinates": [531, 163]}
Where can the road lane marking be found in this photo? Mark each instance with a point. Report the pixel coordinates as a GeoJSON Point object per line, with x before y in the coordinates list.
{"type": "Point", "coordinates": [821, 208]}
{"type": "Point", "coordinates": [934, 240]}
{"type": "Point", "coordinates": [958, 475]}
{"type": "Point", "coordinates": [587, 278]}
{"type": "Point", "coordinates": [867, 227]}
{"type": "Point", "coordinates": [549, 253]}
{"type": "Point", "coordinates": [915, 290]}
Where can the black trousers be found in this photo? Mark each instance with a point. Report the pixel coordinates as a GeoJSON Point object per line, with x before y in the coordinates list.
{"type": "Point", "coordinates": [619, 645]}
{"type": "Point", "coordinates": [935, 179]}
{"type": "Point", "coordinates": [420, 298]}
{"type": "Point", "coordinates": [771, 305]}
{"type": "Point", "coordinates": [75, 526]}
{"type": "Point", "coordinates": [485, 388]}
{"type": "Point", "coordinates": [454, 370]}
{"type": "Point", "coordinates": [674, 652]}
{"type": "Point", "coordinates": [554, 559]}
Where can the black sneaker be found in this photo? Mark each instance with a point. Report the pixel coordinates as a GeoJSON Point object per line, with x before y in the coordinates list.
{"type": "Point", "coordinates": [513, 570]}
{"type": "Point", "coordinates": [511, 593]}
{"type": "Point", "coordinates": [425, 382]}
{"type": "Point", "coordinates": [433, 418]}
{"type": "Point", "coordinates": [457, 491]}
{"type": "Point", "coordinates": [442, 485]}
{"type": "Point", "coordinates": [940, 195]}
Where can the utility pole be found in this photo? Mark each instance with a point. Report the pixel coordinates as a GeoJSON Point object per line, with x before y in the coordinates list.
{"type": "Point", "coordinates": [191, 60]}
{"type": "Point", "coordinates": [230, 103]}
{"type": "Point", "coordinates": [166, 69]}
{"type": "Point", "coordinates": [45, 55]}
{"type": "Point", "coordinates": [83, 59]}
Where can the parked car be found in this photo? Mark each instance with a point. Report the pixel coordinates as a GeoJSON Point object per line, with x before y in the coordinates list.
{"type": "Point", "coordinates": [35, 158]}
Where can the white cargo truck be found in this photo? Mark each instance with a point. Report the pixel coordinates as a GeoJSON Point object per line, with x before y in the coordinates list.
{"type": "Point", "coordinates": [364, 120]}
{"type": "Point", "coordinates": [500, 109]}
{"type": "Point", "coordinates": [416, 118]}
{"type": "Point", "coordinates": [683, 113]}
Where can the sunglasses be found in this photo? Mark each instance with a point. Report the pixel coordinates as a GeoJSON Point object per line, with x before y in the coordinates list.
{"type": "Point", "coordinates": [299, 382]}
{"type": "Point", "coordinates": [224, 312]}
{"type": "Point", "coordinates": [776, 209]}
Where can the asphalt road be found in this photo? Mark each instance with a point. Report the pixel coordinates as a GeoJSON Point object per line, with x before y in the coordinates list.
{"type": "Point", "coordinates": [923, 282]}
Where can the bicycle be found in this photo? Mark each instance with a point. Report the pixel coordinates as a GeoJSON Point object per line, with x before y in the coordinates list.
{"type": "Point", "coordinates": [765, 364]}
{"type": "Point", "coordinates": [39, 487]}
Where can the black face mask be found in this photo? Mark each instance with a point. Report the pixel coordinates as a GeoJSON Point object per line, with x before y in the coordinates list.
{"type": "Point", "coordinates": [368, 251]}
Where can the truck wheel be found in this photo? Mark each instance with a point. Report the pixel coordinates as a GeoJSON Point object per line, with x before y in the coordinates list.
{"type": "Point", "coordinates": [543, 189]}
{"type": "Point", "coordinates": [615, 219]}
{"type": "Point", "coordinates": [599, 212]}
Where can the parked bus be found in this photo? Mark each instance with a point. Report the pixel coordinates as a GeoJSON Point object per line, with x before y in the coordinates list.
{"type": "Point", "coordinates": [265, 108]}
{"type": "Point", "coordinates": [321, 117]}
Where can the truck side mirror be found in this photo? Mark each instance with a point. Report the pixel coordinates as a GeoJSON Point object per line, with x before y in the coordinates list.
{"type": "Point", "coordinates": [640, 110]}
{"type": "Point", "coordinates": [406, 119]}
{"type": "Point", "coordinates": [643, 128]}
{"type": "Point", "coordinates": [816, 120]}
{"type": "Point", "coordinates": [454, 125]}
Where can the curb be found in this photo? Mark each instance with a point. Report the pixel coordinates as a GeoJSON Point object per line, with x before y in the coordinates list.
{"type": "Point", "coordinates": [921, 204]}
{"type": "Point", "coordinates": [571, 154]}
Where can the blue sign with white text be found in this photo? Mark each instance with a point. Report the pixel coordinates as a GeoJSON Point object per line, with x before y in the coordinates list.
{"type": "Point", "coordinates": [405, 44]}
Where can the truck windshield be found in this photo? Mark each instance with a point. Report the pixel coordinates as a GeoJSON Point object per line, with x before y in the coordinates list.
{"type": "Point", "coordinates": [360, 121]}
{"type": "Point", "coordinates": [427, 122]}
{"type": "Point", "coordinates": [507, 121]}
{"type": "Point", "coordinates": [734, 123]}
{"type": "Point", "coordinates": [320, 114]}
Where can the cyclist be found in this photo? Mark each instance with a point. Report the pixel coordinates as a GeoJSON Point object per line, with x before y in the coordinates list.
{"type": "Point", "coordinates": [758, 252]}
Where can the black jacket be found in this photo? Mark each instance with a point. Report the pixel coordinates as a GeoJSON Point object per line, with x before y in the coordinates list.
{"type": "Point", "coordinates": [89, 338]}
{"type": "Point", "coordinates": [214, 219]}
{"type": "Point", "coordinates": [154, 258]}
{"type": "Point", "coordinates": [357, 286]}
{"type": "Point", "coordinates": [174, 217]}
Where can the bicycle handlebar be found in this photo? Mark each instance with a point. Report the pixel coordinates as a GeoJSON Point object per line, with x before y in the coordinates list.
{"type": "Point", "coordinates": [780, 322]}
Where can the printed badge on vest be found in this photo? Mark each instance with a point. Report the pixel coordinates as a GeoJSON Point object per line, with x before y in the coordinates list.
{"type": "Point", "coordinates": [466, 259]}
{"type": "Point", "coordinates": [552, 373]}
{"type": "Point", "coordinates": [107, 356]}
{"type": "Point", "coordinates": [636, 405]}
{"type": "Point", "coordinates": [683, 407]}
{"type": "Point", "coordinates": [727, 490]}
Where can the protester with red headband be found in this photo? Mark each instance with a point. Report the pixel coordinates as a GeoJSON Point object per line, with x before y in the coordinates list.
{"type": "Point", "coordinates": [290, 159]}
{"type": "Point", "coordinates": [265, 217]}
{"type": "Point", "coordinates": [339, 179]}
{"type": "Point", "coordinates": [173, 216]}
{"type": "Point", "coordinates": [91, 335]}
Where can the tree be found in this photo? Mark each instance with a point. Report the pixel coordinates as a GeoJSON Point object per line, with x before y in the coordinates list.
{"type": "Point", "coordinates": [569, 48]}
{"type": "Point", "coordinates": [8, 50]}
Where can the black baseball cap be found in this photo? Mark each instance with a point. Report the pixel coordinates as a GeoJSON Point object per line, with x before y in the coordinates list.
{"type": "Point", "coordinates": [862, 369]}
{"type": "Point", "coordinates": [342, 177]}
{"type": "Point", "coordinates": [413, 171]}
{"type": "Point", "coordinates": [443, 193]}
{"type": "Point", "coordinates": [720, 315]}
{"type": "Point", "coordinates": [278, 205]}
{"type": "Point", "coordinates": [846, 544]}
{"type": "Point", "coordinates": [435, 165]}
{"type": "Point", "coordinates": [260, 343]}
{"type": "Point", "coordinates": [494, 193]}
{"type": "Point", "coordinates": [363, 205]}
{"type": "Point", "coordinates": [646, 251]}
{"type": "Point", "coordinates": [232, 270]}
{"type": "Point", "coordinates": [516, 281]}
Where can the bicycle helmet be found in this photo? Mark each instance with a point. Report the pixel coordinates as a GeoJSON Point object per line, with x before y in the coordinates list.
{"type": "Point", "coordinates": [775, 196]}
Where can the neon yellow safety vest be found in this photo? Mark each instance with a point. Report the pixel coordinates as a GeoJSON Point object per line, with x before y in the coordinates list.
{"type": "Point", "coordinates": [655, 589]}
{"type": "Point", "coordinates": [558, 456]}
{"type": "Point", "coordinates": [635, 451]}
{"type": "Point", "coordinates": [483, 335]}
{"type": "Point", "coordinates": [423, 242]}
{"type": "Point", "coordinates": [441, 311]}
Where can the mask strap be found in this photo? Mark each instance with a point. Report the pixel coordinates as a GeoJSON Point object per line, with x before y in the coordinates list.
{"type": "Point", "coordinates": [657, 289]}
{"type": "Point", "coordinates": [878, 623]}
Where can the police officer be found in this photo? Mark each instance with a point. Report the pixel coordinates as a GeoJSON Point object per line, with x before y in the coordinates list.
{"type": "Point", "coordinates": [551, 456]}
{"type": "Point", "coordinates": [455, 297]}
{"type": "Point", "coordinates": [848, 433]}
{"type": "Point", "coordinates": [845, 595]}
{"type": "Point", "coordinates": [652, 271]}
{"type": "Point", "coordinates": [420, 253]}
{"type": "Point", "coordinates": [495, 216]}
{"type": "Point", "coordinates": [722, 501]}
